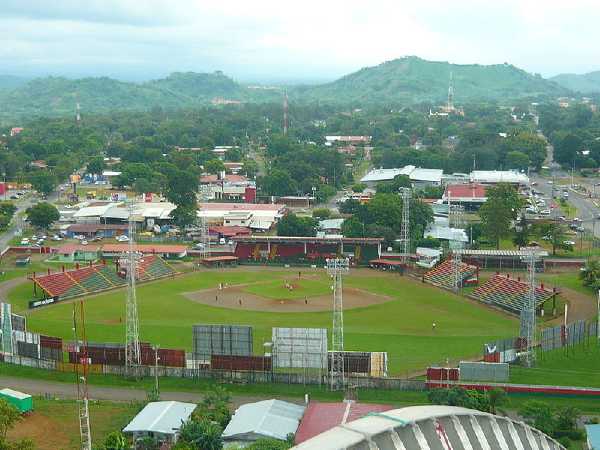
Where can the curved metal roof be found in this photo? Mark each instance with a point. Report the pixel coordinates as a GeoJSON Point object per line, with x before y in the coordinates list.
{"type": "Point", "coordinates": [432, 428]}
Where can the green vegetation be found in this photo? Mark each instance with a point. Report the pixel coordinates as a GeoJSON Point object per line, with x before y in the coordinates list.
{"type": "Point", "coordinates": [42, 215]}
{"type": "Point", "coordinates": [585, 83]}
{"type": "Point", "coordinates": [499, 211]}
{"type": "Point", "coordinates": [292, 225]}
{"type": "Point", "coordinates": [402, 326]}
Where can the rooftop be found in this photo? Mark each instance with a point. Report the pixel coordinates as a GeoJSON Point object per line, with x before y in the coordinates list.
{"type": "Point", "coordinates": [144, 248]}
{"type": "Point", "coordinates": [229, 178]}
{"type": "Point", "coordinates": [268, 418]}
{"type": "Point", "coordinates": [14, 394]}
{"type": "Point", "coordinates": [464, 191]}
{"type": "Point", "coordinates": [67, 249]}
{"type": "Point", "coordinates": [499, 176]}
{"type": "Point", "coordinates": [161, 417]}
{"type": "Point", "coordinates": [241, 207]}
{"type": "Point", "coordinates": [430, 175]}
{"type": "Point", "coordinates": [386, 174]}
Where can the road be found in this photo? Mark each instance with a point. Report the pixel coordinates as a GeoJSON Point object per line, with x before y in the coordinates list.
{"type": "Point", "coordinates": [68, 391]}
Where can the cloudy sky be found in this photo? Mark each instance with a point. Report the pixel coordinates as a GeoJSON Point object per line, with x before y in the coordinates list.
{"type": "Point", "coordinates": [279, 40]}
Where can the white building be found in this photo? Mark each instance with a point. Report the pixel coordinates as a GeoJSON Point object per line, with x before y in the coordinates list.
{"type": "Point", "coordinates": [263, 216]}
{"type": "Point", "coordinates": [499, 176]}
{"type": "Point", "coordinates": [160, 420]}
{"type": "Point", "coordinates": [377, 175]}
{"type": "Point", "coordinates": [273, 419]}
{"type": "Point", "coordinates": [418, 176]}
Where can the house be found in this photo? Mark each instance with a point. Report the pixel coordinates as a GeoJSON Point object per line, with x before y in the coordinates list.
{"type": "Point", "coordinates": [348, 140]}
{"type": "Point", "coordinates": [274, 419]}
{"type": "Point", "coordinates": [264, 216]}
{"type": "Point", "coordinates": [78, 252]}
{"type": "Point", "coordinates": [331, 226]}
{"type": "Point", "coordinates": [237, 219]}
{"type": "Point", "coordinates": [471, 195]}
{"type": "Point", "coordinates": [15, 130]}
{"type": "Point", "coordinates": [39, 164]}
{"type": "Point", "coordinates": [160, 421]}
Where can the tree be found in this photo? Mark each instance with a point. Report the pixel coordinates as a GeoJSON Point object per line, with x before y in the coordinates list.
{"type": "Point", "coordinates": [517, 160]}
{"type": "Point", "coordinates": [42, 215]}
{"type": "Point", "coordinates": [201, 435]}
{"type": "Point", "coordinates": [566, 148]}
{"type": "Point", "coordinates": [96, 165]}
{"type": "Point", "coordinates": [292, 225]}
{"type": "Point", "coordinates": [278, 182]}
{"type": "Point", "coordinates": [353, 228]}
{"type": "Point", "coordinates": [393, 186]}
{"type": "Point", "coordinates": [214, 407]}
{"type": "Point", "coordinates": [143, 185]}
{"type": "Point", "coordinates": [181, 190]}
{"type": "Point", "coordinates": [539, 415]}
{"type": "Point", "coordinates": [115, 441]}
{"type": "Point", "coordinates": [496, 398]}
{"type": "Point", "coordinates": [359, 187]}
{"type": "Point", "coordinates": [556, 234]}
{"type": "Point", "coordinates": [9, 416]}
{"type": "Point", "coordinates": [501, 208]}
{"type": "Point", "coordinates": [214, 166]}
{"type": "Point", "coordinates": [521, 237]}
{"type": "Point", "coordinates": [321, 213]}
{"type": "Point", "coordinates": [590, 273]}
{"type": "Point", "coordinates": [269, 444]}
{"type": "Point", "coordinates": [43, 182]}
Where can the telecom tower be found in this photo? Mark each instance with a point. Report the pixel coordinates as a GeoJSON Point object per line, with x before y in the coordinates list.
{"type": "Point", "coordinates": [405, 227]}
{"type": "Point", "coordinates": [132, 344]}
{"type": "Point", "coordinates": [81, 377]}
{"type": "Point", "coordinates": [450, 105]}
{"type": "Point", "coordinates": [337, 268]}
{"type": "Point", "coordinates": [285, 113]}
{"type": "Point", "coordinates": [77, 113]}
{"type": "Point", "coordinates": [527, 326]}
{"type": "Point", "coordinates": [204, 228]}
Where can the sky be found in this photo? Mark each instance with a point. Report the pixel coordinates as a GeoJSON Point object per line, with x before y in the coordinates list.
{"type": "Point", "coordinates": [283, 41]}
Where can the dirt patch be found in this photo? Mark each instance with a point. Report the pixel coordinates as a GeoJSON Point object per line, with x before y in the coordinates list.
{"type": "Point", "coordinates": [581, 306]}
{"type": "Point", "coordinates": [41, 429]}
{"type": "Point", "coordinates": [234, 297]}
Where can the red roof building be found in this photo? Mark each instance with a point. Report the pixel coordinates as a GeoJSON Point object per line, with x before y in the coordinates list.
{"type": "Point", "coordinates": [320, 417]}
{"type": "Point", "coordinates": [473, 194]}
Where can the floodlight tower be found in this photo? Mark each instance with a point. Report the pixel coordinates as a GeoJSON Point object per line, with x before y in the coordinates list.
{"type": "Point", "coordinates": [132, 345]}
{"type": "Point", "coordinates": [81, 376]}
{"type": "Point", "coordinates": [285, 113]}
{"type": "Point", "coordinates": [204, 228]}
{"type": "Point", "coordinates": [405, 226]}
{"type": "Point", "coordinates": [7, 330]}
{"type": "Point", "coordinates": [528, 325]}
{"type": "Point", "coordinates": [456, 264]}
{"type": "Point", "coordinates": [337, 268]}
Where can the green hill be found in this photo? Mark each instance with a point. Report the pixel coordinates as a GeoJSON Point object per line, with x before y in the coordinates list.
{"type": "Point", "coordinates": [11, 82]}
{"type": "Point", "coordinates": [586, 83]}
{"type": "Point", "coordinates": [412, 79]}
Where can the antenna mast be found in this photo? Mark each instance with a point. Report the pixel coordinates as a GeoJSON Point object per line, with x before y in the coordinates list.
{"type": "Point", "coordinates": [336, 268]}
{"type": "Point", "coordinates": [85, 434]}
{"type": "Point", "coordinates": [285, 113]}
{"type": "Point", "coordinates": [450, 104]}
{"type": "Point", "coordinates": [405, 226]}
{"type": "Point", "coordinates": [132, 345]}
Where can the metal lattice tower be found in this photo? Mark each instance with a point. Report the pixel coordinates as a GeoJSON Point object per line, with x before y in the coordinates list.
{"type": "Point", "coordinates": [204, 227]}
{"type": "Point", "coordinates": [528, 325]}
{"type": "Point", "coordinates": [7, 330]}
{"type": "Point", "coordinates": [456, 265]}
{"type": "Point", "coordinates": [81, 376]}
{"type": "Point", "coordinates": [77, 113]}
{"type": "Point", "coordinates": [405, 226]}
{"type": "Point", "coordinates": [450, 104]}
{"type": "Point", "coordinates": [337, 268]}
{"type": "Point", "coordinates": [455, 214]}
{"type": "Point", "coordinates": [132, 338]}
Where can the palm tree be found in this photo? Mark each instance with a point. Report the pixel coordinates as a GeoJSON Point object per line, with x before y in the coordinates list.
{"type": "Point", "coordinates": [590, 273]}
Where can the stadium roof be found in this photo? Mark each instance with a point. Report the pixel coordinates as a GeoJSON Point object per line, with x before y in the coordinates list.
{"type": "Point", "coordinates": [266, 419]}
{"type": "Point", "coordinates": [470, 252]}
{"type": "Point", "coordinates": [431, 427]}
{"type": "Point", "coordinates": [499, 176]}
{"type": "Point", "coordinates": [427, 175]}
{"type": "Point", "coordinates": [307, 239]}
{"type": "Point", "coordinates": [320, 417]}
{"type": "Point", "coordinates": [161, 417]}
{"type": "Point", "coordinates": [386, 174]}
{"type": "Point", "coordinates": [144, 248]}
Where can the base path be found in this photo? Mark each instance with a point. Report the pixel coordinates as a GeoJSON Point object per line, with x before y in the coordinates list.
{"type": "Point", "coordinates": [234, 297]}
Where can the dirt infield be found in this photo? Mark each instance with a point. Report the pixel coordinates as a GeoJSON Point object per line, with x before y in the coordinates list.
{"type": "Point", "coordinates": [234, 297]}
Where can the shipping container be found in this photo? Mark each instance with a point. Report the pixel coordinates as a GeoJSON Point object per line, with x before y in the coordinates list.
{"type": "Point", "coordinates": [23, 402]}
{"type": "Point", "coordinates": [51, 342]}
{"type": "Point", "coordinates": [166, 357]}
{"type": "Point", "coordinates": [255, 363]}
{"type": "Point", "coordinates": [443, 373]}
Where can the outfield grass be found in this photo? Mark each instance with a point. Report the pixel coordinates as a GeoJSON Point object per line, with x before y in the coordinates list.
{"type": "Point", "coordinates": [402, 327]}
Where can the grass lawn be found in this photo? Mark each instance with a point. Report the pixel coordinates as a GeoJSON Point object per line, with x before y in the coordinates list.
{"type": "Point", "coordinates": [53, 424]}
{"type": "Point", "coordinates": [578, 366]}
{"type": "Point", "coordinates": [569, 280]}
{"type": "Point", "coordinates": [402, 327]}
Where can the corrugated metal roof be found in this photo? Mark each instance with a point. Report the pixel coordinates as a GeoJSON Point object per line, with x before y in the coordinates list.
{"type": "Point", "coordinates": [14, 394]}
{"type": "Point", "coordinates": [430, 175]}
{"type": "Point", "coordinates": [386, 174]}
{"type": "Point", "coordinates": [593, 436]}
{"type": "Point", "coordinates": [161, 417]}
{"type": "Point", "coordinates": [498, 176]}
{"type": "Point", "coordinates": [268, 418]}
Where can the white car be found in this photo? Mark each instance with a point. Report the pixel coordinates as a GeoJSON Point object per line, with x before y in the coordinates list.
{"type": "Point", "coordinates": [198, 246]}
{"type": "Point", "coordinates": [24, 241]}
{"type": "Point", "coordinates": [84, 242]}
{"type": "Point", "coordinates": [545, 212]}
{"type": "Point", "coordinates": [550, 182]}
{"type": "Point", "coordinates": [56, 237]}
{"type": "Point", "coordinates": [569, 242]}
{"type": "Point", "coordinates": [122, 238]}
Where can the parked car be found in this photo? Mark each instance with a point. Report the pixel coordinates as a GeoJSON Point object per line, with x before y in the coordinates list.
{"type": "Point", "coordinates": [222, 241]}
{"type": "Point", "coordinates": [569, 242]}
{"type": "Point", "coordinates": [545, 212]}
{"type": "Point", "coordinates": [198, 246]}
{"type": "Point", "coordinates": [84, 242]}
{"type": "Point", "coordinates": [122, 238]}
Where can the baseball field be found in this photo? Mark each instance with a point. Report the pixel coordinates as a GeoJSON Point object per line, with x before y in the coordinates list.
{"type": "Point", "coordinates": [383, 312]}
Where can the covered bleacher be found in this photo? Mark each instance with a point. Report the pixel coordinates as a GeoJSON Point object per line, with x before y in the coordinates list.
{"type": "Point", "coordinates": [502, 259]}
{"type": "Point", "coordinates": [443, 274]}
{"type": "Point", "coordinates": [96, 278]}
{"type": "Point", "coordinates": [509, 294]}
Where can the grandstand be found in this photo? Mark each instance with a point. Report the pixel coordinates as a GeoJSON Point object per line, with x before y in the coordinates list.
{"type": "Point", "coordinates": [443, 274]}
{"type": "Point", "coordinates": [509, 294]}
{"type": "Point", "coordinates": [96, 278]}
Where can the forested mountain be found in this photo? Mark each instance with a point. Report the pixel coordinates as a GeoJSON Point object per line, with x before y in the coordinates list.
{"type": "Point", "coordinates": [586, 83]}
{"type": "Point", "coordinates": [412, 79]}
{"type": "Point", "coordinates": [11, 82]}
{"type": "Point", "coordinates": [402, 81]}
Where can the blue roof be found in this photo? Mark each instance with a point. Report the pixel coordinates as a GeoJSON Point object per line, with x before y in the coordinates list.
{"type": "Point", "coordinates": [593, 435]}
